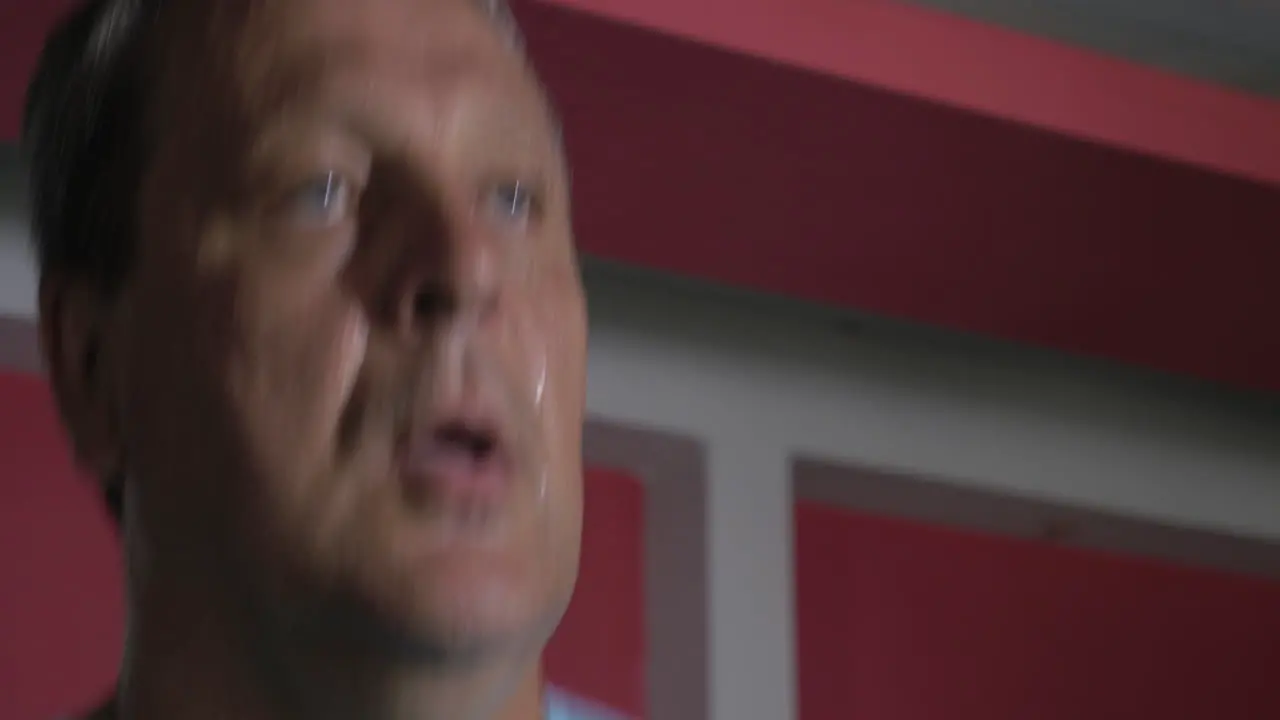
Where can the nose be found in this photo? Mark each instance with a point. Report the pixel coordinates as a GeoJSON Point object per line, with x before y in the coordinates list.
{"type": "Point", "coordinates": [453, 277]}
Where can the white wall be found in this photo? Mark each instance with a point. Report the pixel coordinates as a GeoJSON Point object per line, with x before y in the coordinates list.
{"type": "Point", "coordinates": [759, 382]}
{"type": "Point", "coordinates": [17, 278]}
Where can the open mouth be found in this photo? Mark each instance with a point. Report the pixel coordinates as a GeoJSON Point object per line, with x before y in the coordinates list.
{"type": "Point", "coordinates": [457, 460]}
{"type": "Point", "coordinates": [474, 440]}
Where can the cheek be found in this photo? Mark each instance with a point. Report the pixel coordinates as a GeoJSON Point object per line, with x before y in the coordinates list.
{"type": "Point", "coordinates": [561, 327]}
{"type": "Point", "coordinates": [291, 373]}
{"type": "Point", "coordinates": [544, 347]}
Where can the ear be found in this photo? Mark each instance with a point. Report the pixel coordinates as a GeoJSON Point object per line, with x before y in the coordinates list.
{"type": "Point", "coordinates": [74, 324]}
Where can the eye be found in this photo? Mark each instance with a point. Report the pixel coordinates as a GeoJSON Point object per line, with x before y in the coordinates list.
{"type": "Point", "coordinates": [323, 200]}
{"type": "Point", "coordinates": [512, 202]}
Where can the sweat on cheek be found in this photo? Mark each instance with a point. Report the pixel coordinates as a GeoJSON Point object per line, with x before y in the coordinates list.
{"type": "Point", "coordinates": [353, 345]}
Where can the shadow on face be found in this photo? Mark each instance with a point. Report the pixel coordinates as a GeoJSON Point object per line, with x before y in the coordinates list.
{"type": "Point", "coordinates": [350, 356]}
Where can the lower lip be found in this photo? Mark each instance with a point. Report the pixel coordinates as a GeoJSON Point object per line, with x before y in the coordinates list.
{"type": "Point", "coordinates": [454, 475]}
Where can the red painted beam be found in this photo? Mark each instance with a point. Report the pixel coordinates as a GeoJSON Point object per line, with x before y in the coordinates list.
{"type": "Point", "coordinates": [724, 167]}
{"type": "Point", "coordinates": [954, 61]}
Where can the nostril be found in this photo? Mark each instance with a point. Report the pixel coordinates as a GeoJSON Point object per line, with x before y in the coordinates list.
{"type": "Point", "coordinates": [431, 302]}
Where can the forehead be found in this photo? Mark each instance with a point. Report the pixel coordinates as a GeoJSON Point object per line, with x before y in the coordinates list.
{"type": "Point", "coordinates": [265, 53]}
{"type": "Point", "coordinates": [403, 29]}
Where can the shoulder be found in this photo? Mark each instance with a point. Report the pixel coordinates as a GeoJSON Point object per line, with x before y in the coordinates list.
{"type": "Point", "coordinates": [564, 706]}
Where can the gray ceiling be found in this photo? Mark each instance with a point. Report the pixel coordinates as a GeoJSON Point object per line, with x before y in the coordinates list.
{"type": "Point", "coordinates": [1228, 42]}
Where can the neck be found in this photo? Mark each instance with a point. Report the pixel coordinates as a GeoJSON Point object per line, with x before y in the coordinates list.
{"type": "Point", "coordinates": [190, 661]}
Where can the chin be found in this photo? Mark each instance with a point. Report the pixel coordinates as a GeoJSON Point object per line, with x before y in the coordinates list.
{"type": "Point", "coordinates": [462, 605]}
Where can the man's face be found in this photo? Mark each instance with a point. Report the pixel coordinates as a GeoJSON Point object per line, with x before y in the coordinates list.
{"type": "Point", "coordinates": [352, 348]}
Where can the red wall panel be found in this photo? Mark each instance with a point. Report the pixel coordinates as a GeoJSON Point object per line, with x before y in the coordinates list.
{"type": "Point", "coordinates": [599, 651]}
{"type": "Point", "coordinates": [903, 621]}
{"type": "Point", "coordinates": [61, 603]}
{"type": "Point", "coordinates": [61, 606]}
